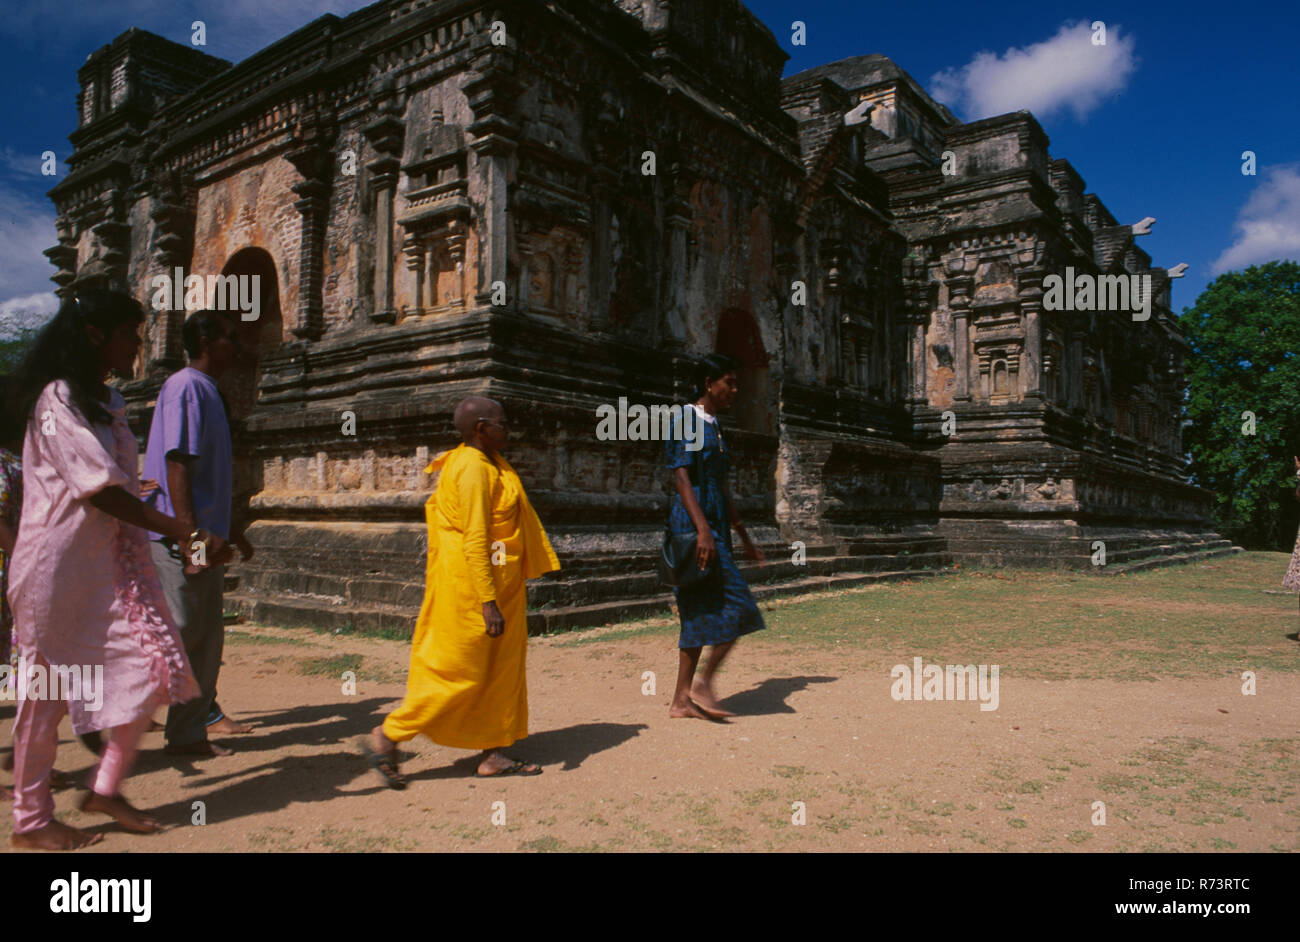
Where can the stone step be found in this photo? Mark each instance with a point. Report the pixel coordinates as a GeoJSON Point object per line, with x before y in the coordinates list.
{"type": "Point", "coordinates": [1164, 551]}
{"type": "Point", "coordinates": [274, 581]}
{"type": "Point", "coordinates": [332, 613]}
{"type": "Point", "coordinates": [887, 545]}
{"type": "Point", "coordinates": [616, 563]}
{"type": "Point", "coordinates": [630, 586]}
{"type": "Point", "coordinates": [593, 591]}
{"type": "Point", "coordinates": [305, 612]}
{"type": "Point", "coordinates": [567, 588]}
{"type": "Point", "coordinates": [1077, 552]}
{"type": "Point", "coordinates": [1176, 559]}
{"type": "Point", "coordinates": [579, 616]}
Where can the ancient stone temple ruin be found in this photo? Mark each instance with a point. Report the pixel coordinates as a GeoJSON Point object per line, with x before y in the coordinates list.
{"type": "Point", "coordinates": [558, 204]}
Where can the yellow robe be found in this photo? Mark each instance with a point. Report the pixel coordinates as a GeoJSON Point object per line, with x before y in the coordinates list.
{"type": "Point", "coordinates": [465, 689]}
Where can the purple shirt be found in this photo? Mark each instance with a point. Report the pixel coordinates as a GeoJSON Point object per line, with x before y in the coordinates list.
{"type": "Point", "coordinates": [190, 418]}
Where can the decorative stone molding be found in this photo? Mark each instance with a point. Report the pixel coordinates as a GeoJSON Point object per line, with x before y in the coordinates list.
{"type": "Point", "coordinates": [385, 135]}
{"type": "Point", "coordinates": [312, 156]}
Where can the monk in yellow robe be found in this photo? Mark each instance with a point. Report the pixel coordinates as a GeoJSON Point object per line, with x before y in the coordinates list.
{"type": "Point", "coordinates": [466, 686]}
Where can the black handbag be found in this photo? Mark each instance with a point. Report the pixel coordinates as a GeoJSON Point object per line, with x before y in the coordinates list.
{"type": "Point", "coordinates": [677, 560]}
{"type": "Point", "coordinates": [679, 552]}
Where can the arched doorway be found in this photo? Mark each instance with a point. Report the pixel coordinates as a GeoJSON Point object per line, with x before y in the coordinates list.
{"type": "Point", "coordinates": [239, 386]}
{"type": "Point", "coordinates": [257, 337]}
{"type": "Point", "coordinates": [739, 338]}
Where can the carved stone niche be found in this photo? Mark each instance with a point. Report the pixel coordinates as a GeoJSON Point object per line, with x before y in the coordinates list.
{"type": "Point", "coordinates": [434, 216]}
{"type": "Point", "coordinates": [550, 272]}
{"type": "Point", "coordinates": [999, 371]}
{"type": "Point", "coordinates": [999, 342]}
{"type": "Point", "coordinates": [995, 281]}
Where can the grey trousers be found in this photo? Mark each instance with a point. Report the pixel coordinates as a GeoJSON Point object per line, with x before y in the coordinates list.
{"type": "Point", "coordinates": [196, 605]}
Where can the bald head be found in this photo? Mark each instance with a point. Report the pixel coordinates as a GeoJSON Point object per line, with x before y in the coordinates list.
{"type": "Point", "coordinates": [471, 410]}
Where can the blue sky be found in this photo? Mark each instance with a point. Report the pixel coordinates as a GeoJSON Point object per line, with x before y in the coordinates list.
{"type": "Point", "coordinates": [1155, 124]}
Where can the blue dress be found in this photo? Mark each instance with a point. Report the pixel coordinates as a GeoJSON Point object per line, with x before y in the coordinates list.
{"type": "Point", "coordinates": [719, 608]}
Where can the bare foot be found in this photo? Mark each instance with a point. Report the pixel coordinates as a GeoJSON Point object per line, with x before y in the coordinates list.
{"type": "Point", "coordinates": [228, 727]}
{"type": "Point", "coordinates": [55, 836]}
{"type": "Point", "coordinates": [204, 747]}
{"type": "Point", "coordinates": [61, 780]}
{"type": "Point", "coordinates": [6, 793]}
{"type": "Point", "coordinates": [117, 808]}
{"type": "Point", "coordinates": [702, 694]}
{"type": "Point", "coordinates": [687, 710]}
{"type": "Point", "coordinates": [494, 763]}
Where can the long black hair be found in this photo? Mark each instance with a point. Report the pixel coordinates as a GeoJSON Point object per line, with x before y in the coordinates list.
{"type": "Point", "coordinates": [714, 366]}
{"type": "Point", "coordinates": [11, 426]}
{"type": "Point", "coordinates": [63, 351]}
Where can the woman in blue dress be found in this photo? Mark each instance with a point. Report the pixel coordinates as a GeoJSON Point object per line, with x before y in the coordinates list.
{"type": "Point", "coordinates": [719, 608]}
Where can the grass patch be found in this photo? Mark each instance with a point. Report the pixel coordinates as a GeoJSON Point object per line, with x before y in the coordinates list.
{"type": "Point", "coordinates": [272, 837]}
{"type": "Point", "coordinates": [356, 842]}
{"type": "Point", "coordinates": [400, 630]}
{"type": "Point", "coordinates": [700, 813]}
{"type": "Point", "coordinates": [331, 666]}
{"type": "Point", "coordinates": [758, 796]}
{"type": "Point", "coordinates": [1180, 621]}
{"type": "Point", "coordinates": [246, 637]}
{"type": "Point", "coordinates": [664, 624]}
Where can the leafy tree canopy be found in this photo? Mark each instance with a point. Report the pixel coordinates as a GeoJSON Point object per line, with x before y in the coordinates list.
{"type": "Point", "coordinates": [1243, 400]}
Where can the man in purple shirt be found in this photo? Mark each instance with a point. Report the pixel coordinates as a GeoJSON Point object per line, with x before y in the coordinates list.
{"type": "Point", "coordinates": [189, 455]}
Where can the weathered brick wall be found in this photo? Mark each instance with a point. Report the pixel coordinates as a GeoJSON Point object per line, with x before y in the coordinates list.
{"type": "Point", "coordinates": [252, 207]}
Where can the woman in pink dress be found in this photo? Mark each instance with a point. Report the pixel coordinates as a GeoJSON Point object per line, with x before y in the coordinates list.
{"type": "Point", "coordinates": [1291, 580]}
{"type": "Point", "coordinates": [82, 586]}
{"type": "Point", "coordinates": [11, 502]}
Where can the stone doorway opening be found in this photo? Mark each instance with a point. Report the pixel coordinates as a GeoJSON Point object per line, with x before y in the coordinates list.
{"type": "Point", "coordinates": [240, 386]}
{"type": "Point", "coordinates": [258, 337]}
{"type": "Point", "coordinates": [739, 338]}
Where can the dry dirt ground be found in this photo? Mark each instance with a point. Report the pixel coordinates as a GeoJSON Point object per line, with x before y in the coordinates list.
{"type": "Point", "coordinates": [1180, 757]}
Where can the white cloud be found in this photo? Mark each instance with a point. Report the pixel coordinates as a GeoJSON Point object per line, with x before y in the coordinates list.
{"type": "Point", "coordinates": [26, 231]}
{"type": "Point", "coordinates": [1064, 72]}
{"type": "Point", "coordinates": [29, 164]}
{"type": "Point", "coordinates": [1268, 226]}
{"type": "Point", "coordinates": [19, 314]}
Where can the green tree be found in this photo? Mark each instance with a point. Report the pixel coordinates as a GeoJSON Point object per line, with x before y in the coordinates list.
{"type": "Point", "coordinates": [1244, 332]}
{"type": "Point", "coordinates": [12, 350]}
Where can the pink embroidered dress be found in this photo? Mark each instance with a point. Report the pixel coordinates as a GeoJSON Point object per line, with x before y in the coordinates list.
{"type": "Point", "coordinates": [81, 583]}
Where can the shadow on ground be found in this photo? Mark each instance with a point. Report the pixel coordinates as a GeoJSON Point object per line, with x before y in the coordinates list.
{"type": "Point", "coordinates": [291, 779]}
{"type": "Point", "coordinates": [769, 697]}
{"type": "Point", "coordinates": [297, 779]}
{"type": "Point", "coordinates": [568, 747]}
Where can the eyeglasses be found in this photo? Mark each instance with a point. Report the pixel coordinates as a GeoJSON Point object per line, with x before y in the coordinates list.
{"type": "Point", "coordinates": [503, 423]}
